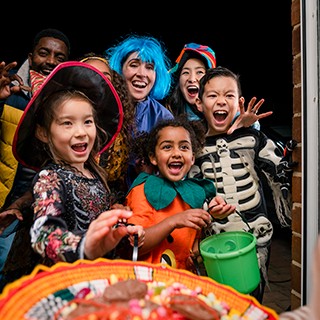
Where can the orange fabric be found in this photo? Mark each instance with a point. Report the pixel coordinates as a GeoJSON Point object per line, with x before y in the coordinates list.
{"type": "Point", "coordinates": [144, 214]}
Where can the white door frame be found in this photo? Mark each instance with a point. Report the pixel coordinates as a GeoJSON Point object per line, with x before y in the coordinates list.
{"type": "Point", "coordinates": [310, 79]}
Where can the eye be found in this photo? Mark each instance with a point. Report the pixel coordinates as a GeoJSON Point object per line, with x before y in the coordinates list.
{"type": "Point", "coordinates": [200, 73]}
{"type": "Point", "coordinates": [61, 59]}
{"type": "Point", "coordinates": [150, 66]}
{"type": "Point", "coordinates": [134, 64]}
{"type": "Point", "coordinates": [89, 121]}
{"type": "Point", "coordinates": [185, 147]}
{"type": "Point", "coordinates": [43, 53]}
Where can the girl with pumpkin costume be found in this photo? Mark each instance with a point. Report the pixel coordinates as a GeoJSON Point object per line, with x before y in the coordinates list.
{"type": "Point", "coordinates": [168, 204]}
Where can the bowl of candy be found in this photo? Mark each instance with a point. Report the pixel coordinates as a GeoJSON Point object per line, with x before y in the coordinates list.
{"type": "Point", "coordinates": [121, 289]}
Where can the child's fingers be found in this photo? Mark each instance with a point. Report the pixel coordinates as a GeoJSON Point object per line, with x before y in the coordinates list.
{"type": "Point", "coordinates": [265, 114]}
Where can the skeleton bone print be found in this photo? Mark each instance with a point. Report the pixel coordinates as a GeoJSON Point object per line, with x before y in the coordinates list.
{"type": "Point", "coordinates": [231, 171]}
{"type": "Point", "coordinates": [235, 163]}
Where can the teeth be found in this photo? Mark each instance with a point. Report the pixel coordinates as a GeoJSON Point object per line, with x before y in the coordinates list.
{"type": "Point", "coordinates": [175, 164]}
{"type": "Point", "coordinates": [139, 84]}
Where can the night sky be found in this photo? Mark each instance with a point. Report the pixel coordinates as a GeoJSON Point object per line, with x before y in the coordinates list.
{"type": "Point", "coordinates": [252, 38]}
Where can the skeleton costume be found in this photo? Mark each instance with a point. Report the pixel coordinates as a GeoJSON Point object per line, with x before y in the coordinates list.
{"type": "Point", "coordinates": [236, 163]}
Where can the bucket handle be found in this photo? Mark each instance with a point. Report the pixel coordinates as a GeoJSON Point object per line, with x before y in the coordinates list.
{"type": "Point", "coordinates": [238, 213]}
{"type": "Point", "coordinates": [244, 220]}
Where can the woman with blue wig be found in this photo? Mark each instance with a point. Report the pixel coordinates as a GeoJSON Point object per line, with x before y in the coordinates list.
{"type": "Point", "coordinates": [143, 63]}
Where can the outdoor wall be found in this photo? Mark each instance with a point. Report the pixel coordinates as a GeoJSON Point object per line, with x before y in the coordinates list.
{"type": "Point", "coordinates": [297, 176]}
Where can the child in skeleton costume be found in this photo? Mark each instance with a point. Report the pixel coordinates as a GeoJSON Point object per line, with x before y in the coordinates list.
{"type": "Point", "coordinates": [236, 162]}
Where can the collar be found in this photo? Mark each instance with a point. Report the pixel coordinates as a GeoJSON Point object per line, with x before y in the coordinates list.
{"type": "Point", "coordinates": [193, 191]}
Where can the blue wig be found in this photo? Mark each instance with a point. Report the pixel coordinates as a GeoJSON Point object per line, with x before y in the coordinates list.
{"type": "Point", "coordinates": [149, 50]}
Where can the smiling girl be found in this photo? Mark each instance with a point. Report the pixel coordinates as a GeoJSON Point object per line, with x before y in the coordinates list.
{"type": "Point", "coordinates": [75, 115]}
{"type": "Point", "coordinates": [168, 204]}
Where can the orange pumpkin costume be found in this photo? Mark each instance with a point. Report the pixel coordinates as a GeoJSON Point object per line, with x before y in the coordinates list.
{"type": "Point", "coordinates": [152, 199]}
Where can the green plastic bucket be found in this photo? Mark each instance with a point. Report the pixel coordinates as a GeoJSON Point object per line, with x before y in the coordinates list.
{"type": "Point", "coordinates": [230, 258]}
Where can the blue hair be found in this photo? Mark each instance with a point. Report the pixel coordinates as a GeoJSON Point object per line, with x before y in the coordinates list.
{"type": "Point", "coordinates": [149, 50]}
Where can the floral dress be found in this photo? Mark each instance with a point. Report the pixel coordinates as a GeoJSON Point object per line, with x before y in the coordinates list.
{"type": "Point", "coordinates": [65, 204]}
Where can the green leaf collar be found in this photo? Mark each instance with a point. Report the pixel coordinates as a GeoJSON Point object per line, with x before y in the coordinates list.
{"type": "Point", "coordinates": [161, 192]}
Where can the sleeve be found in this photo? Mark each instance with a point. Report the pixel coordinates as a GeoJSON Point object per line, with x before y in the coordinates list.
{"type": "Point", "coordinates": [302, 313]}
{"type": "Point", "coordinates": [275, 178]}
{"type": "Point", "coordinates": [285, 167]}
{"type": "Point", "coordinates": [50, 236]}
{"type": "Point", "coordinates": [143, 213]}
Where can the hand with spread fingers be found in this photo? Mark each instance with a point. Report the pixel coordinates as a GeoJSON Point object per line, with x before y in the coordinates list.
{"type": "Point", "coordinates": [248, 117]}
{"type": "Point", "coordinates": [6, 77]}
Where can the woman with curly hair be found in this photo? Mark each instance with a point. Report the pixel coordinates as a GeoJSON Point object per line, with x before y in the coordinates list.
{"type": "Point", "coordinates": [115, 159]}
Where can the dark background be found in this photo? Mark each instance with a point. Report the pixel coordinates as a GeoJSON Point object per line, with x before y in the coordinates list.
{"type": "Point", "coordinates": [252, 38]}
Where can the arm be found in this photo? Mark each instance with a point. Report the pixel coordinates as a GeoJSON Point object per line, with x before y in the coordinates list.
{"type": "Point", "coordinates": [14, 211]}
{"type": "Point", "coordinates": [275, 180]}
{"type": "Point", "coordinates": [102, 237]}
{"type": "Point", "coordinates": [50, 236]}
{"type": "Point", "coordinates": [285, 168]}
{"type": "Point", "coordinates": [157, 229]}
{"type": "Point", "coordinates": [191, 218]}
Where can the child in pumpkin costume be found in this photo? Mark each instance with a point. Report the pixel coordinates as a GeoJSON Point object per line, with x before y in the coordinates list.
{"type": "Point", "coordinates": [167, 204]}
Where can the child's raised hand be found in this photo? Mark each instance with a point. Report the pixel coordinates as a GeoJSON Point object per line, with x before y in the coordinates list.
{"type": "Point", "coordinates": [219, 209]}
{"type": "Point", "coordinates": [5, 80]}
{"type": "Point", "coordinates": [248, 117]}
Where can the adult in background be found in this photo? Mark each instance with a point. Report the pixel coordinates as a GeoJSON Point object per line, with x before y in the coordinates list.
{"type": "Point", "coordinates": [115, 159]}
{"type": "Point", "coordinates": [191, 65]}
{"type": "Point", "coordinates": [143, 63]}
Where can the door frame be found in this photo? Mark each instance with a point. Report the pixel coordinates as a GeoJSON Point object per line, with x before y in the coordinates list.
{"type": "Point", "coordinates": [310, 60]}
